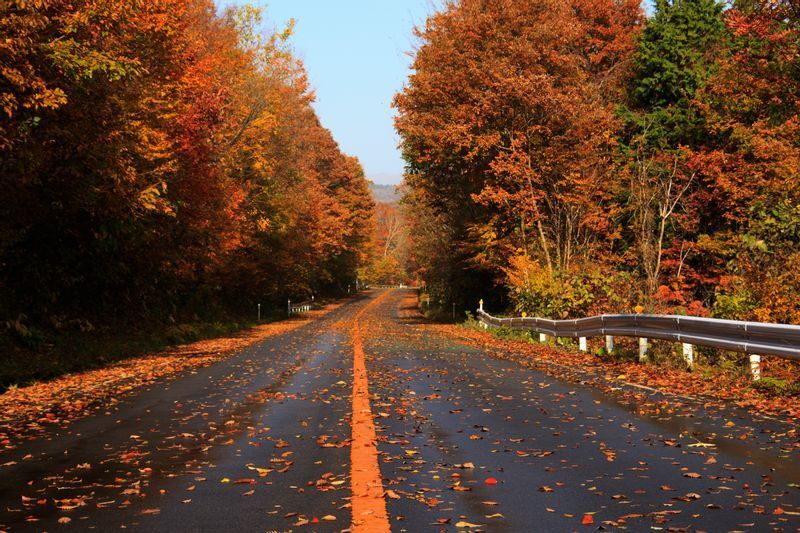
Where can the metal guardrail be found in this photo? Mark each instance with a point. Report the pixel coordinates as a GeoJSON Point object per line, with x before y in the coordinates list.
{"type": "Point", "coordinates": [301, 307]}
{"type": "Point", "coordinates": [753, 338]}
{"type": "Point", "coordinates": [760, 338]}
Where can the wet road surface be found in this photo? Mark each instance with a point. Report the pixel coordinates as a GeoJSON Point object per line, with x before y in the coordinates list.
{"type": "Point", "coordinates": [465, 441]}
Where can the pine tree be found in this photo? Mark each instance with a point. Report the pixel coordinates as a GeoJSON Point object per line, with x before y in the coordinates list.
{"type": "Point", "coordinates": [674, 59]}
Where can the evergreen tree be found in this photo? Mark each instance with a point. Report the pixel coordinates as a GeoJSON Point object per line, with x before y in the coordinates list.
{"type": "Point", "coordinates": [674, 59]}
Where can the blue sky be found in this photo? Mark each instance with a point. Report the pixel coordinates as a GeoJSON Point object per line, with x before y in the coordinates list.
{"type": "Point", "coordinates": [356, 54]}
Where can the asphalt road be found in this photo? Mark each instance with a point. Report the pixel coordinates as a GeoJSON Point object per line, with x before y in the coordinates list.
{"type": "Point", "coordinates": [262, 441]}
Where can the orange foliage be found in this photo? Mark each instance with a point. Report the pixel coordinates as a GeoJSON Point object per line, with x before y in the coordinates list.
{"type": "Point", "coordinates": [158, 156]}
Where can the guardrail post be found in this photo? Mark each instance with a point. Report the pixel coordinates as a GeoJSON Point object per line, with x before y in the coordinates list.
{"type": "Point", "coordinates": [642, 349]}
{"type": "Point", "coordinates": [582, 343]}
{"type": "Point", "coordinates": [609, 344]}
{"type": "Point", "coordinates": [688, 354]}
{"type": "Point", "coordinates": [755, 366]}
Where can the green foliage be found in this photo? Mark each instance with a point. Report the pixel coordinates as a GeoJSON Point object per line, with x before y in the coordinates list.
{"type": "Point", "coordinates": [558, 296]}
{"type": "Point", "coordinates": [675, 50]}
{"type": "Point", "coordinates": [574, 293]}
{"type": "Point", "coordinates": [763, 283]}
{"type": "Point", "coordinates": [773, 228]}
{"type": "Point", "coordinates": [37, 354]}
{"type": "Point", "coordinates": [508, 334]}
{"type": "Point", "coordinates": [674, 59]}
{"type": "Point", "coordinates": [776, 386]}
{"type": "Point", "coordinates": [735, 305]}
{"type": "Point", "coordinates": [27, 335]}
{"type": "Point", "coordinates": [191, 332]}
{"type": "Point", "coordinates": [82, 63]}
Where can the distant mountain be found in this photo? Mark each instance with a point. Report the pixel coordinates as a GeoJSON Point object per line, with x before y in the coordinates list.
{"type": "Point", "coordinates": [385, 178]}
{"type": "Point", "coordinates": [384, 193]}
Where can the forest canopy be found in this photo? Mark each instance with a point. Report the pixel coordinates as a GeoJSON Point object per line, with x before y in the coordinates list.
{"type": "Point", "coordinates": [580, 157]}
{"type": "Point", "coordinates": [161, 159]}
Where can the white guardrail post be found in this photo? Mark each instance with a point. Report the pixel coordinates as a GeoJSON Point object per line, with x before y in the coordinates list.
{"type": "Point", "coordinates": [688, 354]}
{"type": "Point", "coordinates": [643, 350]}
{"type": "Point", "coordinates": [480, 310]}
{"type": "Point", "coordinates": [755, 366]}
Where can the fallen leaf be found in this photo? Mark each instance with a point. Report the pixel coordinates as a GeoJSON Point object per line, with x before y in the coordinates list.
{"type": "Point", "coordinates": [467, 525]}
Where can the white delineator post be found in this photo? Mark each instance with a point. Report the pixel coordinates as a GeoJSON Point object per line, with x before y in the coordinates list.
{"type": "Point", "coordinates": [642, 349]}
{"type": "Point", "coordinates": [688, 355]}
{"type": "Point", "coordinates": [542, 337]}
{"type": "Point", "coordinates": [480, 308]}
{"type": "Point", "coordinates": [755, 366]}
{"type": "Point", "coordinates": [582, 344]}
{"type": "Point", "coordinates": [609, 343]}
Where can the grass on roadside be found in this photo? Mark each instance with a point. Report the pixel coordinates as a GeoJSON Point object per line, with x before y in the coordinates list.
{"type": "Point", "coordinates": [709, 363]}
{"type": "Point", "coordinates": [43, 355]}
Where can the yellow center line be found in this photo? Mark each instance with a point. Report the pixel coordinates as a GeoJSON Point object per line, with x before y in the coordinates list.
{"type": "Point", "coordinates": [368, 503]}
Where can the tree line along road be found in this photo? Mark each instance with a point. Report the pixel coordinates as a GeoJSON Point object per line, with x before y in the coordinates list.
{"type": "Point", "coordinates": [273, 438]}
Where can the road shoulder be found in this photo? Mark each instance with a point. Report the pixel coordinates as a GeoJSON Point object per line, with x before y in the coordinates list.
{"type": "Point", "coordinates": [31, 410]}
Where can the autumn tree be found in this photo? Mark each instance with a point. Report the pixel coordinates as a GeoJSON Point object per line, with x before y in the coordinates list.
{"type": "Point", "coordinates": [389, 249]}
{"type": "Point", "coordinates": [751, 166]}
{"type": "Point", "coordinates": [308, 213]}
{"type": "Point", "coordinates": [87, 178]}
{"type": "Point", "coordinates": [585, 166]}
{"type": "Point", "coordinates": [507, 128]}
{"type": "Point", "coordinates": [674, 58]}
{"type": "Point", "coordinates": [159, 159]}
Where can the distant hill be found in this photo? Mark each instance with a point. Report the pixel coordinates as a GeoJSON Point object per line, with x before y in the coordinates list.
{"type": "Point", "coordinates": [384, 193]}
